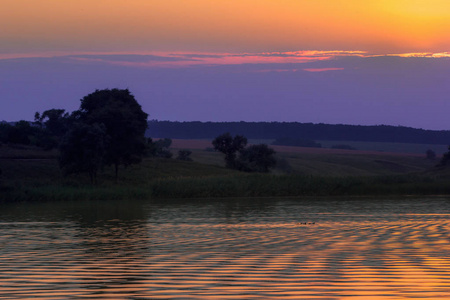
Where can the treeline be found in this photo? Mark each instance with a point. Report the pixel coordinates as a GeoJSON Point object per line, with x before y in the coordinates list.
{"type": "Point", "coordinates": [107, 130]}
{"type": "Point", "coordinates": [295, 130]}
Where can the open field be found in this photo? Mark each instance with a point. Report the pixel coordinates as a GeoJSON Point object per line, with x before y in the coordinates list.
{"type": "Point", "coordinates": [419, 149]}
{"type": "Point", "coordinates": [32, 176]}
{"type": "Point", "coordinates": [361, 147]}
{"type": "Point", "coordinates": [322, 161]}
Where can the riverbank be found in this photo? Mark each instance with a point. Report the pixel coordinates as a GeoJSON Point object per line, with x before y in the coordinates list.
{"type": "Point", "coordinates": [40, 180]}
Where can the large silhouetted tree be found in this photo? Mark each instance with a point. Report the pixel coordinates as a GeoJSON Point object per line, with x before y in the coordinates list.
{"type": "Point", "coordinates": [123, 121]}
{"type": "Point", "coordinates": [82, 149]}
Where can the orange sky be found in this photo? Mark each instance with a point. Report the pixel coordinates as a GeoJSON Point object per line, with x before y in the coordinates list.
{"type": "Point", "coordinates": [378, 26]}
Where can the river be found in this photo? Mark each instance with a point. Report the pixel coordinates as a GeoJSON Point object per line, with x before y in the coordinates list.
{"type": "Point", "coordinates": [324, 248]}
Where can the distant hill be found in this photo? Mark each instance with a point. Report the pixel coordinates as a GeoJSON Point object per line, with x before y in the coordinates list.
{"type": "Point", "coordinates": [295, 130]}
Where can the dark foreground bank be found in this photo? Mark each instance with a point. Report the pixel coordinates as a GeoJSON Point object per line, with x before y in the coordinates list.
{"type": "Point", "coordinates": [39, 179]}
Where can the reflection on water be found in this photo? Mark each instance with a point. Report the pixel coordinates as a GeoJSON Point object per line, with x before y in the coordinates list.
{"type": "Point", "coordinates": [234, 248]}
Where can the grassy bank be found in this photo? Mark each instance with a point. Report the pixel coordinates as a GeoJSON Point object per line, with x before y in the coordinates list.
{"type": "Point", "coordinates": [37, 178]}
{"type": "Point", "coordinates": [232, 186]}
{"type": "Point", "coordinates": [298, 185]}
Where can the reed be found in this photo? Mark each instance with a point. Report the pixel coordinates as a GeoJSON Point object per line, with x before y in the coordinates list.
{"type": "Point", "coordinates": [297, 185]}
{"type": "Point", "coordinates": [233, 186]}
{"type": "Point", "coordinates": [34, 179]}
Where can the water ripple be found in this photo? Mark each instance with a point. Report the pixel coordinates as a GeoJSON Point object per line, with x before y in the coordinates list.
{"type": "Point", "coordinates": [267, 255]}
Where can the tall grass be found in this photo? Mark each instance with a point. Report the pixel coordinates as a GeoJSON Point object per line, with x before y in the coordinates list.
{"type": "Point", "coordinates": [297, 185]}
{"type": "Point", "coordinates": [41, 180]}
{"type": "Point", "coordinates": [234, 186]}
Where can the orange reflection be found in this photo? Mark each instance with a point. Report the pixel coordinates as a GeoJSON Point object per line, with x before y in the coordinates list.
{"type": "Point", "coordinates": [378, 259]}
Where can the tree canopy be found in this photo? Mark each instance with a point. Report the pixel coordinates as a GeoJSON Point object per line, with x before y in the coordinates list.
{"type": "Point", "coordinates": [83, 148]}
{"type": "Point", "coordinates": [55, 121]}
{"type": "Point", "coordinates": [255, 158]}
{"type": "Point", "coordinates": [229, 146]}
{"type": "Point", "coordinates": [119, 115]}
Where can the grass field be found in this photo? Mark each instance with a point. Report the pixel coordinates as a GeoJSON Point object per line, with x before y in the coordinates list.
{"type": "Point", "coordinates": [320, 161]}
{"type": "Point", "coordinates": [361, 147]}
{"type": "Point", "coordinates": [419, 149]}
{"type": "Point", "coordinates": [32, 174]}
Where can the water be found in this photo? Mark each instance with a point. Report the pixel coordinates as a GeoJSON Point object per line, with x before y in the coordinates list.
{"type": "Point", "coordinates": [227, 249]}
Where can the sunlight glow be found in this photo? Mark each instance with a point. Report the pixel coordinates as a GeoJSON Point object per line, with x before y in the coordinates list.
{"type": "Point", "coordinates": [379, 26]}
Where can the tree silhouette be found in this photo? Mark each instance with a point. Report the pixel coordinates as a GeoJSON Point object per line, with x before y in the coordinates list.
{"type": "Point", "coordinates": [229, 146]}
{"type": "Point", "coordinates": [123, 121]}
{"type": "Point", "coordinates": [82, 149]}
{"type": "Point", "coordinates": [257, 158]}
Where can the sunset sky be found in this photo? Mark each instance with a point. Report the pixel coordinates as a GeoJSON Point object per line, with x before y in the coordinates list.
{"type": "Point", "coordinates": [331, 61]}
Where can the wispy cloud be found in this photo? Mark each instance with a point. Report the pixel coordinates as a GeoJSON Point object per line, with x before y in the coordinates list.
{"type": "Point", "coordinates": [189, 59]}
{"type": "Point", "coordinates": [161, 59]}
{"type": "Point", "coordinates": [275, 70]}
{"type": "Point", "coordinates": [322, 69]}
{"type": "Point", "coordinates": [192, 59]}
{"type": "Point", "coordinates": [315, 53]}
{"type": "Point", "coordinates": [423, 54]}
{"type": "Point", "coordinates": [174, 60]}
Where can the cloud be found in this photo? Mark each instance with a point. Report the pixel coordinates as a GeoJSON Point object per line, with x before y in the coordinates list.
{"type": "Point", "coordinates": [183, 59]}
{"type": "Point", "coordinates": [176, 60]}
{"type": "Point", "coordinates": [192, 59]}
{"type": "Point", "coordinates": [322, 69]}
{"type": "Point", "coordinates": [423, 54]}
{"type": "Point", "coordinates": [276, 70]}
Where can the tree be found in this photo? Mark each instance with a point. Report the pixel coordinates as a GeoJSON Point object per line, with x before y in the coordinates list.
{"type": "Point", "coordinates": [124, 123]}
{"type": "Point", "coordinates": [20, 133]}
{"type": "Point", "coordinates": [229, 146]}
{"type": "Point", "coordinates": [5, 129]}
{"type": "Point", "coordinates": [82, 149]}
{"type": "Point", "coordinates": [53, 124]}
{"type": "Point", "coordinates": [256, 158]}
{"type": "Point", "coordinates": [55, 121]}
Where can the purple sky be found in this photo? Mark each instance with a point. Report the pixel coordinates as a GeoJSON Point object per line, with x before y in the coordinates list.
{"type": "Point", "coordinates": [347, 61]}
{"type": "Point", "coordinates": [307, 87]}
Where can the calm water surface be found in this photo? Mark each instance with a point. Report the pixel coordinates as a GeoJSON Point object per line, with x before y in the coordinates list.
{"type": "Point", "coordinates": [226, 249]}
